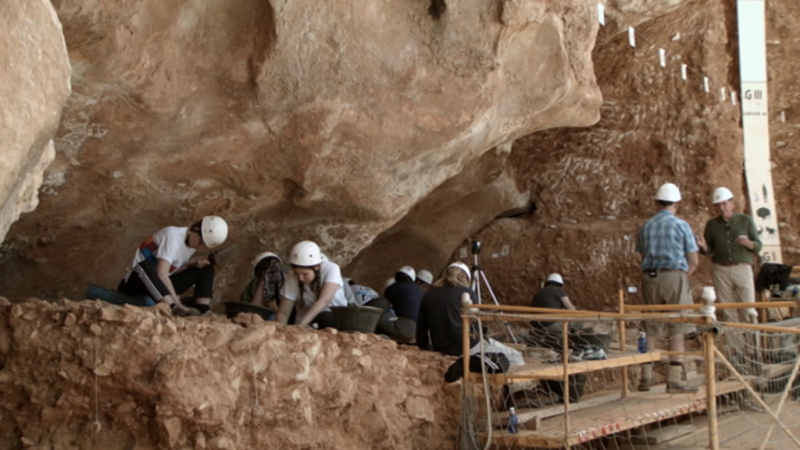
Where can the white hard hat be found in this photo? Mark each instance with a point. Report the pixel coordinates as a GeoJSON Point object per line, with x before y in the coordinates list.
{"type": "Point", "coordinates": [305, 254]}
{"type": "Point", "coordinates": [214, 231]}
{"type": "Point", "coordinates": [669, 193]}
{"type": "Point", "coordinates": [425, 276]}
{"type": "Point", "coordinates": [388, 283]}
{"type": "Point", "coordinates": [721, 194]}
{"type": "Point", "coordinates": [463, 267]}
{"type": "Point", "coordinates": [264, 255]}
{"type": "Point", "coordinates": [408, 270]}
{"type": "Point", "coordinates": [556, 278]}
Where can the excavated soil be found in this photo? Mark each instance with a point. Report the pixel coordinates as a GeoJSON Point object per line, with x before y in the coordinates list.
{"type": "Point", "coordinates": [88, 375]}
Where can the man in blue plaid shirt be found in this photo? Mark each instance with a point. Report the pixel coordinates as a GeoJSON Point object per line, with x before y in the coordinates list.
{"type": "Point", "coordinates": [669, 256]}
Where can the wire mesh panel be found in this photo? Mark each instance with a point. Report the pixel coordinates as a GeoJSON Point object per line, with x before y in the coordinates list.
{"type": "Point", "coordinates": [765, 414]}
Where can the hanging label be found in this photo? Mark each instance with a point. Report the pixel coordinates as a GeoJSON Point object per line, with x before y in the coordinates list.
{"type": "Point", "coordinates": [683, 71]}
{"type": "Point", "coordinates": [733, 98]}
{"type": "Point", "coordinates": [631, 37]}
{"type": "Point", "coordinates": [601, 14]}
{"type": "Point", "coordinates": [705, 83]}
{"type": "Point", "coordinates": [662, 57]}
{"type": "Point", "coordinates": [722, 95]}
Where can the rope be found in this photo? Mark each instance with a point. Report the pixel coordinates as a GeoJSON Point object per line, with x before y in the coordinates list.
{"type": "Point", "coordinates": [256, 406]}
{"type": "Point", "coordinates": [96, 426]}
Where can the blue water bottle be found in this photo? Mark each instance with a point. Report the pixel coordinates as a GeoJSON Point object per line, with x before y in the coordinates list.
{"type": "Point", "coordinates": [642, 342]}
{"type": "Point", "coordinates": [513, 421]}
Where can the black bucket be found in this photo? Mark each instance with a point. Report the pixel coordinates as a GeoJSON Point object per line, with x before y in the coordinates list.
{"type": "Point", "coordinates": [356, 318]}
{"type": "Point", "coordinates": [234, 308]}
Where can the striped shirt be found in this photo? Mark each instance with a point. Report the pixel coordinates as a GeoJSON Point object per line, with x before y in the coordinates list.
{"type": "Point", "coordinates": [664, 241]}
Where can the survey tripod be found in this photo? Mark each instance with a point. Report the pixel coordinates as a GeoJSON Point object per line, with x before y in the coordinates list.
{"type": "Point", "coordinates": [477, 276]}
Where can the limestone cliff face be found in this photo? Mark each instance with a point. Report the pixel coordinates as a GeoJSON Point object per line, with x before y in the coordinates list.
{"type": "Point", "coordinates": [35, 85]}
{"type": "Point", "coordinates": [294, 120]}
{"type": "Point", "coordinates": [593, 187]}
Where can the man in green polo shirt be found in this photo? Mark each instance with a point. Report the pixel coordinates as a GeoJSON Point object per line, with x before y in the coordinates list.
{"type": "Point", "coordinates": [731, 239]}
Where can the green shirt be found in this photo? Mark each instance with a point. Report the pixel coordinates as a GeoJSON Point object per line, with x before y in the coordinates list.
{"type": "Point", "coordinates": [249, 291]}
{"type": "Point", "coordinates": [720, 236]}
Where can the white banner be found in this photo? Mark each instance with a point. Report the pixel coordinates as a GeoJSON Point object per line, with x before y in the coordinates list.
{"type": "Point", "coordinates": [755, 124]}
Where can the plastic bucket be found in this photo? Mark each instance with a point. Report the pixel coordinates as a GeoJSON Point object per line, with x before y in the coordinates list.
{"type": "Point", "coordinates": [234, 308]}
{"type": "Point", "coordinates": [356, 318]}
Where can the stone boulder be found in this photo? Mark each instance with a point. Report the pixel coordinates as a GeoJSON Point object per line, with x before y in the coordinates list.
{"type": "Point", "coordinates": [35, 73]}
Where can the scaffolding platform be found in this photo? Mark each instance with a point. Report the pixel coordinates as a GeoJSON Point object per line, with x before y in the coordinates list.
{"type": "Point", "coordinates": [555, 371]}
{"type": "Point", "coordinates": [634, 411]}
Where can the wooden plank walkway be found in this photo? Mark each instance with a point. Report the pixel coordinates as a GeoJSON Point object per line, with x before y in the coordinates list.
{"type": "Point", "coordinates": [639, 409]}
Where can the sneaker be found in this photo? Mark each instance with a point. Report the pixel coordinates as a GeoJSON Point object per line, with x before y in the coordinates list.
{"type": "Point", "coordinates": [575, 356]}
{"type": "Point", "coordinates": [594, 353]}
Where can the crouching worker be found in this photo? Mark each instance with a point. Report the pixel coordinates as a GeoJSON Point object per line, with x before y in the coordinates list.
{"type": "Point", "coordinates": [404, 296]}
{"type": "Point", "coordinates": [553, 296]}
{"type": "Point", "coordinates": [163, 266]}
{"type": "Point", "coordinates": [439, 324]}
{"type": "Point", "coordinates": [265, 287]}
{"type": "Point", "coordinates": [313, 286]}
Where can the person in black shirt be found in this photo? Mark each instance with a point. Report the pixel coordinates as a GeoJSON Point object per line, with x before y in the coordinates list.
{"type": "Point", "coordinates": [440, 313]}
{"type": "Point", "coordinates": [439, 324]}
{"type": "Point", "coordinates": [552, 296]}
{"type": "Point", "coordinates": [405, 296]}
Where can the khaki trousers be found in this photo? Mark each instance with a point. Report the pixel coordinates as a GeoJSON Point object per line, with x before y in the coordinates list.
{"type": "Point", "coordinates": [734, 284]}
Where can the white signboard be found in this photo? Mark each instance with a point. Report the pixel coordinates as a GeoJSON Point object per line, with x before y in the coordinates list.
{"type": "Point", "coordinates": [755, 124]}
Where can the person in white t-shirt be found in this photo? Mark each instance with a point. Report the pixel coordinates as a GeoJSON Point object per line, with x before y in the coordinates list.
{"type": "Point", "coordinates": [314, 285]}
{"type": "Point", "coordinates": [163, 266]}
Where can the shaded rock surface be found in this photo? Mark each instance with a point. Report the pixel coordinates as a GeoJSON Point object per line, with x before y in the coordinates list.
{"type": "Point", "coordinates": [36, 84]}
{"type": "Point", "coordinates": [293, 120]}
{"type": "Point", "coordinates": [88, 375]}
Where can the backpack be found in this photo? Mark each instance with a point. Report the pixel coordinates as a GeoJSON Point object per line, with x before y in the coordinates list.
{"type": "Point", "coordinates": [495, 363]}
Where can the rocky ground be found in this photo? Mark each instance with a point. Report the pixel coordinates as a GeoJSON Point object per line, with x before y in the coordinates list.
{"type": "Point", "coordinates": [88, 375]}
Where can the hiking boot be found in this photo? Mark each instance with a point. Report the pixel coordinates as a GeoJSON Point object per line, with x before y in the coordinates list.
{"type": "Point", "coordinates": [646, 379]}
{"type": "Point", "coordinates": [675, 382]}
